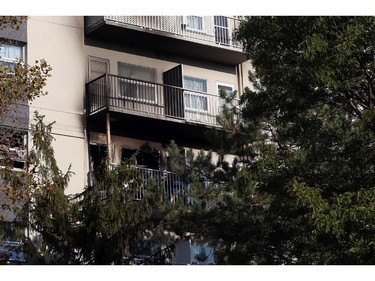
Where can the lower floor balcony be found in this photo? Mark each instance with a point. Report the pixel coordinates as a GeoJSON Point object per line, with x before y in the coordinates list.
{"type": "Point", "coordinates": [171, 186]}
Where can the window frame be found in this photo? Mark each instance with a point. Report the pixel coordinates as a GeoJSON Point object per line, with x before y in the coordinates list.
{"type": "Point", "coordinates": [220, 100]}
{"type": "Point", "coordinates": [9, 62]}
{"type": "Point", "coordinates": [195, 93]}
{"type": "Point", "coordinates": [228, 85]}
{"type": "Point", "coordinates": [190, 28]}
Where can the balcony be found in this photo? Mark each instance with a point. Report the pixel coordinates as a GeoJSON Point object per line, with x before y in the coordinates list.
{"type": "Point", "coordinates": [209, 38]}
{"type": "Point", "coordinates": [160, 111]}
{"type": "Point", "coordinates": [173, 188]}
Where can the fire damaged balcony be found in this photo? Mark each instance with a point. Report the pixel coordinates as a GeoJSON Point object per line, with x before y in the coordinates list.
{"type": "Point", "coordinates": [172, 187]}
{"type": "Point", "coordinates": [208, 38]}
{"type": "Point", "coordinates": [153, 111]}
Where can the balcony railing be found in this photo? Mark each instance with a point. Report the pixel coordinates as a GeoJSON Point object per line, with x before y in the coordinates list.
{"type": "Point", "coordinates": [172, 188]}
{"type": "Point", "coordinates": [152, 100]}
{"type": "Point", "coordinates": [210, 30]}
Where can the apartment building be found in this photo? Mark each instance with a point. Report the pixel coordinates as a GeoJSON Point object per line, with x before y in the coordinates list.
{"type": "Point", "coordinates": [122, 84]}
{"type": "Point", "coordinates": [133, 83]}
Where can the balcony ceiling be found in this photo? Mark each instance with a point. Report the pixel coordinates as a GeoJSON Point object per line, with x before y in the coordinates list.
{"type": "Point", "coordinates": [164, 43]}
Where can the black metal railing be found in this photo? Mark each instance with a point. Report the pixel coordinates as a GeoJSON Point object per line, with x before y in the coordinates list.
{"type": "Point", "coordinates": [152, 99]}
{"type": "Point", "coordinates": [171, 187]}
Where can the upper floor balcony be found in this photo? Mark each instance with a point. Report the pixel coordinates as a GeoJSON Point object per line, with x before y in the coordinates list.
{"type": "Point", "coordinates": [161, 111]}
{"type": "Point", "coordinates": [209, 38]}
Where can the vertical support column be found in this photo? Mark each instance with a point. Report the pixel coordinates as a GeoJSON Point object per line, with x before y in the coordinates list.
{"type": "Point", "coordinates": [109, 143]}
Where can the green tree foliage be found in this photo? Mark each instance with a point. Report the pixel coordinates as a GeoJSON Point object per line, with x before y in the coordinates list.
{"type": "Point", "coordinates": [48, 207]}
{"type": "Point", "coordinates": [315, 97]}
{"type": "Point", "coordinates": [304, 136]}
{"type": "Point", "coordinates": [101, 225]}
{"type": "Point", "coordinates": [115, 213]}
{"type": "Point", "coordinates": [20, 82]}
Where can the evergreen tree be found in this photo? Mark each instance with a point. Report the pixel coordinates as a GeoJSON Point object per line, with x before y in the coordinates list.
{"type": "Point", "coordinates": [114, 214]}
{"type": "Point", "coordinates": [303, 191]}
{"type": "Point", "coordinates": [48, 207]}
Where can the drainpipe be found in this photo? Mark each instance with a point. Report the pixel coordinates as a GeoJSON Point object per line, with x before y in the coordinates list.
{"type": "Point", "coordinates": [239, 71]}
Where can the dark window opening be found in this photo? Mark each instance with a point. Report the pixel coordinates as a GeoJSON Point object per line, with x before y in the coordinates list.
{"type": "Point", "coordinates": [98, 153]}
{"type": "Point", "coordinates": [145, 159]}
{"type": "Point", "coordinates": [19, 164]}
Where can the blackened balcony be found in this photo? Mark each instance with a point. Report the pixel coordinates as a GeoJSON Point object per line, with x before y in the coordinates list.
{"type": "Point", "coordinates": [151, 110]}
{"type": "Point", "coordinates": [153, 100]}
{"type": "Point", "coordinates": [172, 187]}
{"type": "Point", "coordinates": [209, 38]}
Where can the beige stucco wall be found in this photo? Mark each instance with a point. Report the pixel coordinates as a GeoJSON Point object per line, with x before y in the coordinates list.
{"type": "Point", "coordinates": [212, 76]}
{"type": "Point", "coordinates": [59, 40]}
{"type": "Point", "coordinates": [244, 74]}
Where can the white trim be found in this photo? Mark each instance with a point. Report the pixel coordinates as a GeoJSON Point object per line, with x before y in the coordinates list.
{"type": "Point", "coordinates": [219, 100]}
{"type": "Point", "coordinates": [218, 83]}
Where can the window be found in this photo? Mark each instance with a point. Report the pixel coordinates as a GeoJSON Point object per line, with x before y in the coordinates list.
{"type": "Point", "coordinates": [221, 30]}
{"type": "Point", "coordinates": [97, 153]}
{"type": "Point", "coordinates": [193, 100]}
{"type": "Point", "coordinates": [137, 82]}
{"type": "Point", "coordinates": [9, 54]}
{"type": "Point", "coordinates": [145, 159]}
{"type": "Point", "coordinates": [194, 22]}
{"type": "Point", "coordinates": [228, 89]}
